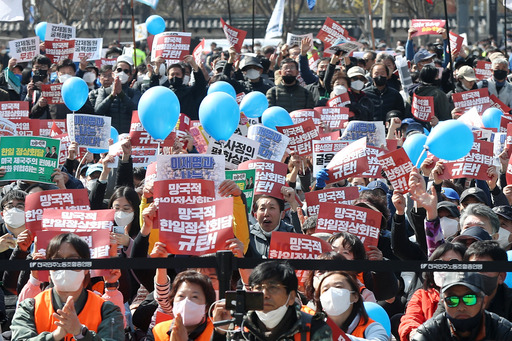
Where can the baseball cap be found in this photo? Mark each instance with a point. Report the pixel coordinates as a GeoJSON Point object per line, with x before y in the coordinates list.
{"type": "Point", "coordinates": [125, 58]}
{"type": "Point", "coordinates": [504, 211]}
{"type": "Point", "coordinates": [474, 232]}
{"type": "Point", "coordinates": [450, 193]}
{"type": "Point", "coordinates": [220, 64]}
{"type": "Point", "coordinates": [250, 61]}
{"type": "Point", "coordinates": [407, 121]}
{"type": "Point", "coordinates": [422, 55]}
{"type": "Point", "coordinates": [475, 192]}
{"type": "Point", "coordinates": [471, 280]}
{"type": "Point", "coordinates": [94, 168]}
{"type": "Point", "coordinates": [378, 184]}
{"type": "Point", "coordinates": [450, 206]}
{"type": "Point", "coordinates": [414, 128]}
{"type": "Point", "coordinates": [467, 73]}
{"type": "Point", "coordinates": [355, 71]}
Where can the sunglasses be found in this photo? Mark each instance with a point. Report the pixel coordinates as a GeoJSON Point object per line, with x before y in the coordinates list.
{"type": "Point", "coordinates": [127, 71]}
{"type": "Point", "coordinates": [453, 301]}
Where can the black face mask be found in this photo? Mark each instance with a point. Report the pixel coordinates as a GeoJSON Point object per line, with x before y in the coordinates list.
{"type": "Point", "coordinates": [466, 325]}
{"type": "Point", "coordinates": [489, 284]}
{"type": "Point", "coordinates": [500, 74]}
{"type": "Point", "coordinates": [176, 81]}
{"type": "Point", "coordinates": [380, 80]}
{"type": "Point", "coordinates": [289, 79]}
{"type": "Point", "coordinates": [321, 74]}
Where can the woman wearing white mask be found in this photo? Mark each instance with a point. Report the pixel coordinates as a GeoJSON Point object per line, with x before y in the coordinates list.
{"type": "Point", "coordinates": [425, 300]}
{"type": "Point", "coordinates": [338, 297]}
{"type": "Point", "coordinates": [361, 107]}
{"type": "Point", "coordinates": [192, 294]}
{"type": "Point", "coordinates": [67, 310]}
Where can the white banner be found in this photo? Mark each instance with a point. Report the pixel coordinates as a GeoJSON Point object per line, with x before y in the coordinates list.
{"type": "Point", "coordinates": [275, 24]}
{"type": "Point", "coordinates": [89, 48]}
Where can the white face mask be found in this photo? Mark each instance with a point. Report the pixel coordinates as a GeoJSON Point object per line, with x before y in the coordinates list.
{"type": "Point", "coordinates": [339, 89]}
{"type": "Point", "coordinates": [63, 78]}
{"type": "Point", "coordinates": [14, 217]}
{"type": "Point", "coordinates": [186, 79]}
{"type": "Point", "coordinates": [431, 64]}
{"type": "Point", "coordinates": [191, 312]}
{"type": "Point", "coordinates": [439, 278]}
{"type": "Point", "coordinates": [503, 236]}
{"type": "Point", "coordinates": [89, 77]}
{"type": "Point", "coordinates": [449, 226]}
{"type": "Point", "coordinates": [357, 85]}
{"type": "Point", "coordinates": [67, 280]}
{"type": "Point", "coordinates": [123, 77]}
{"type": "Point", "coordinates": [272, 318]}
{"type": "Point", "coordinates": [123, 218]}
{"type": "Point", "coordinates": [252, 74]}
{"type": "Point", "coordinates": [335, 301]}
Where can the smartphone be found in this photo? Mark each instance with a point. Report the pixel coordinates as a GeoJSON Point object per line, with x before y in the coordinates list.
{"type": "Point", "coordinates": [253, 300]}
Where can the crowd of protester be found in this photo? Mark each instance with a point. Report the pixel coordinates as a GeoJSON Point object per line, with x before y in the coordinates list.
{"type": "Point", "coordinates": [437, 220]}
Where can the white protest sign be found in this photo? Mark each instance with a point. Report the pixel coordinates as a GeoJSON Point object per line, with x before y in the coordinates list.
{"type": "Point", "coordinates": [87, 48]}
{"type": "Point", "coordinates": [59, 32]}
{"type": "Point", "coordinates": [23, 50]}
{"type": "Point", "coordinates": [90, 131]}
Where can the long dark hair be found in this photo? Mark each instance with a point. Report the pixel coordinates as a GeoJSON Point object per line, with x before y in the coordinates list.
{"type": "Point", "coordinates": [133, 198]}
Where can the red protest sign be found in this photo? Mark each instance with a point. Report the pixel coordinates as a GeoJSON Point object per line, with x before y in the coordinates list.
{"type": "Point", "coordinates": [422, 107]}
{"type": "Point", "coordinates": [397, 167]}
{"type": "Point", "coordinates": [301, 136]}
{"type": "Point", "coordinates": [74, 220]}
{"type": "Point", "coordinates": [35, 203]}
{"type": "Point", "coordinates": [104, 61]}
{"type": "Point", "coordinates": [339, 101]}
{"type": "Point", "coordinates": [374, 167]}
{"type": "Point", "coordinates": [196, 229]}
{"type": "Point", "coordinates": [198, 52]}
{"type": "Point", "coordinates": [483, 70]}
{"type": "Point", "coordinates": [474, 165]}
{"type": "Point", "coordinates": [98, 242]}
{"type": "Point", "coordinates": [14, 109]}
{"type": "Point", "coordinates": [455, 42]}
{"type": "Point", "coordinates": [341, 195]}
{"type": "Point", "coordinates": [299, 116]}
{"type": "Point", "coordinates": [360, 221]}
{"type": "Point", "coordinates": [47, 126]}
{"type": "Point", "coordinates": [270, 176]}
{"type": "Point", "coordinates": [200, 139]}
{"type": "Point", "coordinates": [508, 140]}
{"type": "Point", "coordinates": [234, 36]}
{"type": "Point", "coordinates": [348, 161]}
{"type": "Point", "coordinates": [333, 117]}
{"type": "Point", "coordinates": [509, 171]}
{"type": "Point", "coordinates": [171, 46]}
{"type": "Point", "coordinates": [290, 245]}
{"type": "Point", "coordinates": [426, 26]}
{"type": "Point", "coordinates": [331, 136]}
{"type": "Point", "coordinates": [497, 103]}
{"type": "Point", "coordinates": [313, 60]}
{"type": "Point", "coordinates": [391, 144]}
{"type": "Point", "coordinates": [478, 98]}
{"type": "Point", "coordinates": [186, 191]}
{"type": "Point", "coordinates": [52, 93]}
{"type": "Point", "coordinates": [331, 31]}
{"type": "Point", "coordinates": [59, 50]}
{"type": "Point", "coordinates": [27, 127]}
{"type": "Point", "coordinates": [505, 121]}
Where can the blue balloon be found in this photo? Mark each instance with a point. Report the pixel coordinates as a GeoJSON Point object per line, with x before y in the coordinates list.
{"type": "Point", "coordinates": [254, 104]}
{"type": "Point", "coordinates": [276, 117]}
{"type": "Point", "coordinates": [378, 314]}
{"type": "Point", "coordinates": [508, 279]}
{"type": "Point", "coordinates": [413, 146]}
{"type": "Point", "coordinates": [114, 134]}
{"type": "Point", "coordinates": [222, 86]}
{"type": "Point", "coordinates": [75, 93]}
{"type": "Point", "coordinates": [450, 140]}
{"type": "Point", "coordinates": [219, 115]}
{"type": "Point", "coordinates": [40, 30]}
{"type": "Point", "coordinates": [97, 150]}
{"type": "Point", "coordinates": [159, 110]}
{"type": "Point", "coordinates": [492, 118]}
{"type": "Point", "coordinates": [155, 24]}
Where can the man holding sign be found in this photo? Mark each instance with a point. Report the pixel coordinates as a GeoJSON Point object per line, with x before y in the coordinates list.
{"type": "Point", "coordinates": [498, 84]}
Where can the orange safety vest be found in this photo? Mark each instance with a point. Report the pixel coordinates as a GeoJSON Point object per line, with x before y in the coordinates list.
{"type": "Point", "coordinates": [90, 316]}
{"type": "Point", "coordinates": [160, 331]}
{"type": "Point", "coordinates": [361, 327]}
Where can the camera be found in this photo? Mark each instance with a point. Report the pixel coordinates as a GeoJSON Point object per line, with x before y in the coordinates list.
{"type": "Point", "coordinates": [39, 75]}
{"type": "Point", "coordinates": [245, 300]}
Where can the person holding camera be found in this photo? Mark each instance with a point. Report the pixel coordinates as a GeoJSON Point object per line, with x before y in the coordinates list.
{"type": "Point", "coordinates": [40, 75]}
{"type": "Point", "coordinates": [281, 317]}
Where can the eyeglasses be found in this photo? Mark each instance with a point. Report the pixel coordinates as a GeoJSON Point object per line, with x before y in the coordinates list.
{"type": "Point", "coordinates": [20, 206]}
{"type": "Point", "coordinates": [270, 288]}
{"type": "Point", "coordinates": [453, 301]}
{"type": "Point", "coordinates": [127, 71]}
